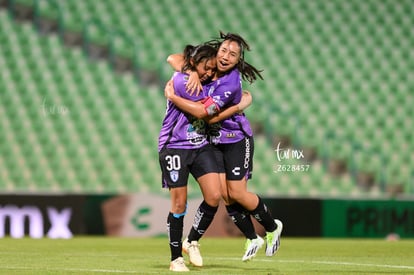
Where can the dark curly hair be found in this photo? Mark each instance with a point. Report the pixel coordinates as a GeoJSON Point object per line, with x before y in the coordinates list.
{"type": "Point", "coordinates": [197, 54]}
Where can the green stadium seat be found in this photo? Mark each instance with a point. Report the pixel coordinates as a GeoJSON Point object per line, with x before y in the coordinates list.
{"type": "Point", "coordinates": [340, 67]}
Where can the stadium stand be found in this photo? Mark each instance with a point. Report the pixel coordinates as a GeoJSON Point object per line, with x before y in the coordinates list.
{"type": "Point", "coordinates": [339, 75]}
{"type": "Point", "coordinates": [70, 124]}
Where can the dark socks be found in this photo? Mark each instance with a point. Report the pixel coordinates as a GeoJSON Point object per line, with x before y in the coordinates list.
{"type": "Point", "coordinates": [175, 233]}
{"type": "Point", "coordinates": [264, 217]}
{"type": "Point", "coordinates": [202, 220]}
{"type": "Point", "coordinates": [242, 220]}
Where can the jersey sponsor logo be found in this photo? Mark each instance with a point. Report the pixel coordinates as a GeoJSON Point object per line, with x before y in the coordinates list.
{"type": "Point", "coordinates": [174, 175]}
{"type": "Point", "coordinates": [247, 154]}
{"type": "Point", "coordinates": [197, 140]}
{"type": "Point", "coordinates": [196, 131]}
{"type": "Point", "coordinates": [236, 171]}
{"type": "Point", "coordinates": [175, 244]}
{"type": "Point", "coordinates": [231, 135]}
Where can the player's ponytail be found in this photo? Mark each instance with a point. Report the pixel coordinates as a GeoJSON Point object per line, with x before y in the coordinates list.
{"type": "Point", "coordinates": [249, 72]}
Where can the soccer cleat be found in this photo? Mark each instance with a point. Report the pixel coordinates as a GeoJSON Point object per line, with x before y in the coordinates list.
{"type": "Point", "coordinates": [273, 239]}
{"type": "Point", "coordinates": [252, 247]}
{"type": "Point", "coordinates": [178, 265]}
{"type": "Point", "coordinates": [193, 251]}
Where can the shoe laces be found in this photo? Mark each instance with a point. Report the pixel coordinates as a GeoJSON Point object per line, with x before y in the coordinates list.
{"type": "Point", "coordinates": [194, 246]}
{"type": "Point", "coordinates": [178, 265]}
{"type": "Point", "coordinates": [181, 261]}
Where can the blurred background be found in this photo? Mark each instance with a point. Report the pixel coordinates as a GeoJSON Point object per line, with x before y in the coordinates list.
{"type": "Point", "coordinates": [81, 93]}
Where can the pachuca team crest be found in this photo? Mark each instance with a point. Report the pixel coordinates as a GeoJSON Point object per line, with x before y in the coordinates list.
{"type": "Point", "coordinates": [174, 175]}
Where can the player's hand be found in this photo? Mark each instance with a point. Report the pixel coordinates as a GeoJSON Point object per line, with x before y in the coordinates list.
{"type": "Point", "coordinates": [245, 101]}
{"type": "Point", "coordinates": [194, 84]}
{"type": "Point", "coordinates": [169, 91]}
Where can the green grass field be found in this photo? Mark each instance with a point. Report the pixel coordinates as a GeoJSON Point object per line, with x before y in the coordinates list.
{"type": "Point", "coordinates": [105, 255]}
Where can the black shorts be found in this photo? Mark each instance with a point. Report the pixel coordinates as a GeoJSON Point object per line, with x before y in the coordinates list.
{"type": "Point", "coordinates": [236, 159]}
{"type": "Point", "coordinates": [177, 164]}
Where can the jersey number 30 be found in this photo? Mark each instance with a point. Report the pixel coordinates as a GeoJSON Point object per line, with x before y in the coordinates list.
{"type": "Point", "coordinates": [173, 162]}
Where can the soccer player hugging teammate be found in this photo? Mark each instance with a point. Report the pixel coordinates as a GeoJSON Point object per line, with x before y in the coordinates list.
{"type": "Point", "coordinates": [233, 143]}
{"type": "Point", "coordinates": [183, 149]}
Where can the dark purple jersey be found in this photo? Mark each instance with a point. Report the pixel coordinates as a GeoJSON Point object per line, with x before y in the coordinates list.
{"type": "Point", "coordinates": [181, 130]}
{"type": "Point", "coordinates": [227, 91]}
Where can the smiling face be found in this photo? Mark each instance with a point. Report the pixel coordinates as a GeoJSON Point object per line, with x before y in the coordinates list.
{"type": "Point", "coordinates": [228, 56]}
{"type": "Point", "coordinates": [206, 69]}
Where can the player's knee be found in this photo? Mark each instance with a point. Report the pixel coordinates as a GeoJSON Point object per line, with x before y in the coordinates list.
{"type": "Point", "coordinates": [179, 207]}
{"type": "Point", "coordinates": [216, 198]}
{"type": "Point", "coordinates": [213, 199]}
{"type": "Point", "coordinates": [236, 194]}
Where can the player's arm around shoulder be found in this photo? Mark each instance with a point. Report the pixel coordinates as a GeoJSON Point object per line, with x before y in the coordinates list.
{"type": "Point", "coordinates": [245, 102]}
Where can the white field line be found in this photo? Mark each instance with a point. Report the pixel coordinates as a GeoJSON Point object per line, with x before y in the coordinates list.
{"type": "Point", "coordinates": [356, 264]}
{"type": "Point", "coordinates": [96, 270]}
{"type": "Point", "coordinates": [325, 263]}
